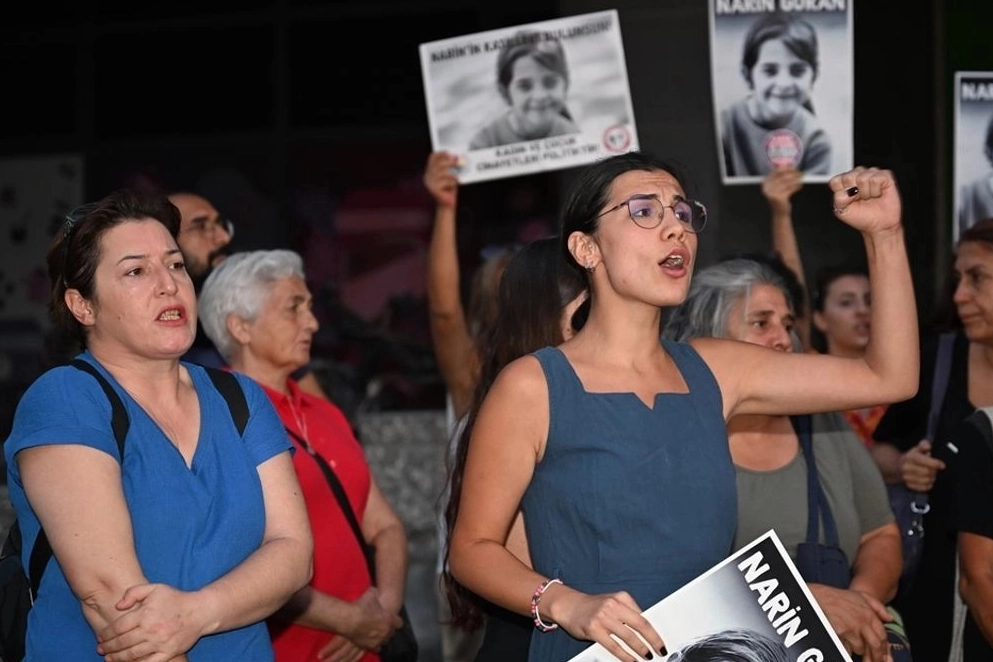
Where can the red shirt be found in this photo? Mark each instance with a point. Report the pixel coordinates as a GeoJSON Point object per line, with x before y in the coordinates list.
{"type": "Point", "coordinates": [340, 567]}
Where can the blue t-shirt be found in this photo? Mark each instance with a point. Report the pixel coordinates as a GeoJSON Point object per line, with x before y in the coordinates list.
{"type": "Point", "coordinates": [192, 525]}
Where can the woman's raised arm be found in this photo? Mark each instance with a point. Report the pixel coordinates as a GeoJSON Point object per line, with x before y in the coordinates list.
{"type": "Point", "coordinates": [762, 381]}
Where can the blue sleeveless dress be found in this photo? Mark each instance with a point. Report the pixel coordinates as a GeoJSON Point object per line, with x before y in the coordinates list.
{"type": "Point", "coordinates": [629, 497]}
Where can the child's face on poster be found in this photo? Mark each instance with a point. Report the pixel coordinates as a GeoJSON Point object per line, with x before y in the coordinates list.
{"type": "Point", "coordinates": [781, 81]}
{"type": "Point", "coordinates": [536, 94]}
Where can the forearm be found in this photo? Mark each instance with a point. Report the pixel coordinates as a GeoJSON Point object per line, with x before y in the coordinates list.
{"type": "Point", "coordinates": [391, 566]}
{"type": "Point", "coordinates": [975, 552]}
{"type": "Point", "coordinates": [317, 610]}
{"type": "Point", "coordinates": [454, 349]}
{"type": "Point", "coordinates": [444, 297]}
{"type": "Point", "coordinates": [258, 586]}
{"type": "Point", "coordinates": [101, 589]}
{"type": "Point", "coordinates": [876, 570]}
{"type": "Point", "coordinates": [893, 349]}
{"type": "Point", "coordinates": [784, 242]}
{"type": "Point", "coordinates": [887, 458]}
{"type": "Point", "coordinates": [977, 593]}
{"type": "Point", "coordinates": [489, 570]}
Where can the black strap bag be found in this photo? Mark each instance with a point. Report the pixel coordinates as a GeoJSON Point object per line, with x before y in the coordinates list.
{"type": "Point", "coordinates": [402, 645]}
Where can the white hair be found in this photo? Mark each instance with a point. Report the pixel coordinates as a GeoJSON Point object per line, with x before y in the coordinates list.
{"type": "Point", "coordinates": [240, 286]}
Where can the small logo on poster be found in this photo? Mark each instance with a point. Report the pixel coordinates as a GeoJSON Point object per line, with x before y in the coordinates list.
{"type": "Point", "coordinates": [616, 138]}
{"type": "Point", "coordinates": [784, 148]}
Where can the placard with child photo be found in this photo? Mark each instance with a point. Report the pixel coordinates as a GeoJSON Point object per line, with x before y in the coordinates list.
{"type": "Point", "coordinates": [530, 98]}
{"type": "Point", "coordinates": [782, 78]}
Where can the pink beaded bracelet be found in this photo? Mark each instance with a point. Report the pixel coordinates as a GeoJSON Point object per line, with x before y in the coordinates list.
{"type": "Point", "coordinates": [535, 599]}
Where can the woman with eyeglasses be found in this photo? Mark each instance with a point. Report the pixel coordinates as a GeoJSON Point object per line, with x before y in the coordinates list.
{"type": "Point", "coordinates": [180, 546]}
{"type": "Point", "coordinates": [614, 445]}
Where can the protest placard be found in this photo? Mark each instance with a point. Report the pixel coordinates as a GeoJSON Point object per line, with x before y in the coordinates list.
{"type": "Point", "coordinates": [755, 601]}
{"type": "Point", "coordinates": [783, 87]}
{"type": "Point", "coordinates": [973, 149]}
{"type": "Point", "coordinates": [529, 98]}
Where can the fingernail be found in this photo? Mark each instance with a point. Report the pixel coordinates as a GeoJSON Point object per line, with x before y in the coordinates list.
{"type": "Point", "coordinates": [852, 191]}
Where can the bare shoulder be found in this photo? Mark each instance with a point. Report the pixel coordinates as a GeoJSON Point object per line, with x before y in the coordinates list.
{"type": "Point", "coordinates": [523, 377]}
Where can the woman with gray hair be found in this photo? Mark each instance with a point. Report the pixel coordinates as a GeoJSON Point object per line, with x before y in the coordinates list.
{"type": "Point", "coordinates": [716, 291]}
{"type": "Point", "coordinates": [257, 309]}
{"type": "Point", "coordinates": [748, 300]}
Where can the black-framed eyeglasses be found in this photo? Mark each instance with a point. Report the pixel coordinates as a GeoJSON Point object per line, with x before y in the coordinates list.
{"type": "Point", "coordinates": [208, 228]}
{"type": "Point", "coordinates": [647, 211]}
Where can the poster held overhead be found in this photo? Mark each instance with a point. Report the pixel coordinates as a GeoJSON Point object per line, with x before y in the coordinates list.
{"type": "Point", "coordinates": [782, 86]}
{"type": "Point", "coordinates": [973, 149]}
{"type": "Point", "coordinates": [530, 98]}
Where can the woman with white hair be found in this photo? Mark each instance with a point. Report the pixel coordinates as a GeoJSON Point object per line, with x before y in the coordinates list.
{"type": "Point", "coordinates": [748, 300]}
{"type": "Point", "coordinates": [257, 310]}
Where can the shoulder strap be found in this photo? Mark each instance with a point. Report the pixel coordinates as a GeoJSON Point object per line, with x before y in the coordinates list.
{"type": "Point", "coordinates": [939, 385]}
{"type": "Point", "coordinates": [119, 415]}
{"type": "Point", "coordinates": [41, 553]}
{"type": "Point", "coordinates": [339, 493]}
{"type": "Point", "coordinates": [942, 369]}
{"type": "Point", "coordinates": [817, 505]}
{"type": "Point", "coordinates": [227, 385]}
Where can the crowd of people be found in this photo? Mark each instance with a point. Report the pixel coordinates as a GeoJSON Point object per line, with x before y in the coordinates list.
{"type": "Point", "coordinates": [600, 383]}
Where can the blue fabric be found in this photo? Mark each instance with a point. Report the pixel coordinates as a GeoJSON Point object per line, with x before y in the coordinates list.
{"type": "Point", "coordinates": [629, 497]}
{"type": "Point", "coordinates": [191, 525]}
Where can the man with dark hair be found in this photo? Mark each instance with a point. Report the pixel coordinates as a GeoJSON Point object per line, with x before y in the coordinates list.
{"type": "Point", "coordinates": [204, 236]}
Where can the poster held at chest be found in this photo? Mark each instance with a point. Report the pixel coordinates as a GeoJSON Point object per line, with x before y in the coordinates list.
{"type": "Point", "coordinates": [530, 98]}
{"type": "Point", "coordinates": [973, 149]}
{"type": "Point", "coordinates": [782, 77]}
{"type": "Point", "coordinates": [754, 601]}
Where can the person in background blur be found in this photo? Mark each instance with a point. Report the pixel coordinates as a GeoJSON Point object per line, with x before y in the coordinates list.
{"type": "Point", "coordinates": [529, 317]}
{"type": "Point", "coordinates": [932, 465]}
{"type": "Point", "coordinates": [256, 307]}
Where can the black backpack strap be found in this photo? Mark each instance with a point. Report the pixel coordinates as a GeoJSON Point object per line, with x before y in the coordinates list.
{"type": "Point", "coordinates": [119, 416]}
{"type": "Point", "coordinates": [224, 382]}
{"type": "Point", "coordinates": [227, 385]}
{"type": "Point", "coordinates": [41, 553]}
{"type": "Point", "coordinates": [939, 386]}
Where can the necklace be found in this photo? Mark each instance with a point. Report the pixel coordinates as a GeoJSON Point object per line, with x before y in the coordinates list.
{"type": "Point", "coordinates": [299, 420]}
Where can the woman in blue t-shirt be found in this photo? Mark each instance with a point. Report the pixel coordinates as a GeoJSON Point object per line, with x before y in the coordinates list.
{"type": "Point", "coordinates": [179, 549]}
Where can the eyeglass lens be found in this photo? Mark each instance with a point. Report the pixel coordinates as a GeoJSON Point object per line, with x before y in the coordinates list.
{"type": "Point", "coordinates": [648, 212]}
{"type": "Point", "coordinates": [210, 228]}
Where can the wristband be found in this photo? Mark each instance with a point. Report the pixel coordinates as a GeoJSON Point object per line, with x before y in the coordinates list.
{"type": "Point", "coordinates": [535, 599]}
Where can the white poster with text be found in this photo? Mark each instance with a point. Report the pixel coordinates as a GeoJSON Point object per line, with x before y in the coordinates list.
{"type": "Point", "coordinates": [530, 98]}
{"type": "Point", "coordinates": [755, 601]}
